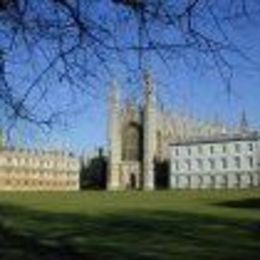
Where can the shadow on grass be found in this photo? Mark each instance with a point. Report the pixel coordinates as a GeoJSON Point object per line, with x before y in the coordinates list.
{"type": "Point", "coordinates": [252, 203]}
{"type": "Point", "coordinates": [28, 234]}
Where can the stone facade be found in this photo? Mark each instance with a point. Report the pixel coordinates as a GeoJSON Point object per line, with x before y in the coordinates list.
{"type": "Point", "coordinates": [35, 170]}
{"type": "Point", "coordinates": [229, 161]}
{"type": "Point", "coordinates": [115, 141]}
{"type": "Point", "coordinates": [149, 133]}
{"type": "Point", "coordinates": [140, 134]}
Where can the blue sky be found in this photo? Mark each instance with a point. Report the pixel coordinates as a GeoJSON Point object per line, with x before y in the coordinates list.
{"type": "Point", "coordinates": [191, 88]}
{"type": "Point", "coordinates": [202, 95]}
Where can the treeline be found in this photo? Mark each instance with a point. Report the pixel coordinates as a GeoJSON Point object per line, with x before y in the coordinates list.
{"type": "Point", "coordinates": [93, 175]}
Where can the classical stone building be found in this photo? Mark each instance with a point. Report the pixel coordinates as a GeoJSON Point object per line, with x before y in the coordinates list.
{"type": "Point", "coordinates": [226, 161]}
{"type": "Point", "coordinates": [140, 134]}
{"type": "Point", "coordinates": [38, 170]}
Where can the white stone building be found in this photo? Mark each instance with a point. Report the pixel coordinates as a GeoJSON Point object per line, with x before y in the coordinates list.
{"type": "Point", "coordinates": [228, 161]}
{"type": "Point", "coordinates": [38, 170]}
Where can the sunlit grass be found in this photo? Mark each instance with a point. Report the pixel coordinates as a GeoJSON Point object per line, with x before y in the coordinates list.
{"type": "Point", "coordinates": [167, 225]}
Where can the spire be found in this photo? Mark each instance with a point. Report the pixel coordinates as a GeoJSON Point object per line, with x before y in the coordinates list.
{"type": "Point", "coordinates": [149, 132]}
{"type": "Point", "coordinates": [149, 87]}
{"type": "Point", "coordinates": [115, 93]}
{"type": "Point", "coordinates": [114, 138]}
{"type": "Point", "coordinates": [216, 120]}
{"type": "Point", "coordinates": [243, 127]}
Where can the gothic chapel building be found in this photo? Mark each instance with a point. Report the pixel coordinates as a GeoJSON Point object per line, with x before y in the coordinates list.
{"type": "Point", "coordinates": [139, 136]}
{"type": "Point", "coordinates": [132, 140]}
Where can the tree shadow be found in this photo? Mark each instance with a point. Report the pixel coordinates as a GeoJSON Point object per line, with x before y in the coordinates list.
{"type": "Point", "coordinates": [251, 203]}
{"type": "Point", "coordinates": [31, 234]}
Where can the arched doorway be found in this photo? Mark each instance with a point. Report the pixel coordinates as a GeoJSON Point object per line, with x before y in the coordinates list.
{"type": "Point", "coordinates": [133, 181]}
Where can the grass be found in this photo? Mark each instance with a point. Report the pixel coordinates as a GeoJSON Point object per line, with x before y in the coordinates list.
{"type": "Point", "coordinates": [130, 225]}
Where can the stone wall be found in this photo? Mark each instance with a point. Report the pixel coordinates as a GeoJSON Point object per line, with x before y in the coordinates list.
{"type": "Point", "coordinates": [38, 170]}
{"type": "Point", "coordinates": [226, 162]}
{"type": "Point", "coordinates": [216, 181]}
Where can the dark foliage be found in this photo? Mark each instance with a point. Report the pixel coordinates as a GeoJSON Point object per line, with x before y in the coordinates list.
{"type": "Point", "coordinates": [94, 174]}
{"type": "Point", "coordinates": [162, 173]}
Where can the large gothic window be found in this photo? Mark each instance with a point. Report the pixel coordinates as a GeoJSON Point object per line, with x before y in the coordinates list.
{"type": "Point", "coordinates": [131, 140]}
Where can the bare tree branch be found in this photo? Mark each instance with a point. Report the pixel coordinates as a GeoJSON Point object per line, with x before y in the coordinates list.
{"type": "Point", "coordinates": [73, 42]}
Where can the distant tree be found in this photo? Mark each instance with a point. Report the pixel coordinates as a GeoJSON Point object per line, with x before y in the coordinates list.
{"type": "Point", "coordinates": [93, 175]}
{"type": "Point", "coordinates": [76, 42]}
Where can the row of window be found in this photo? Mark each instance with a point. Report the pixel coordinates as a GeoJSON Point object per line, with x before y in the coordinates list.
{"type": "Point", "coordinates": [41, 173]}
{"type": "Point", "coordinates": [35, 162]}
{"type": "Point", "coordinates": [211, 163]}
{"type": "Point", "coordinates": [56, 153]}
{"type": "Point", "coordinates": [40, 183]}
{"type": "Point", "coordinates": [212, 149]}
{"type": "Point", "coordinates": [213, 181]}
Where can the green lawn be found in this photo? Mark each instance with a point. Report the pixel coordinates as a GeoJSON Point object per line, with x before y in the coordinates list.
{"type": "Point", "coordinates": [130, 225]}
